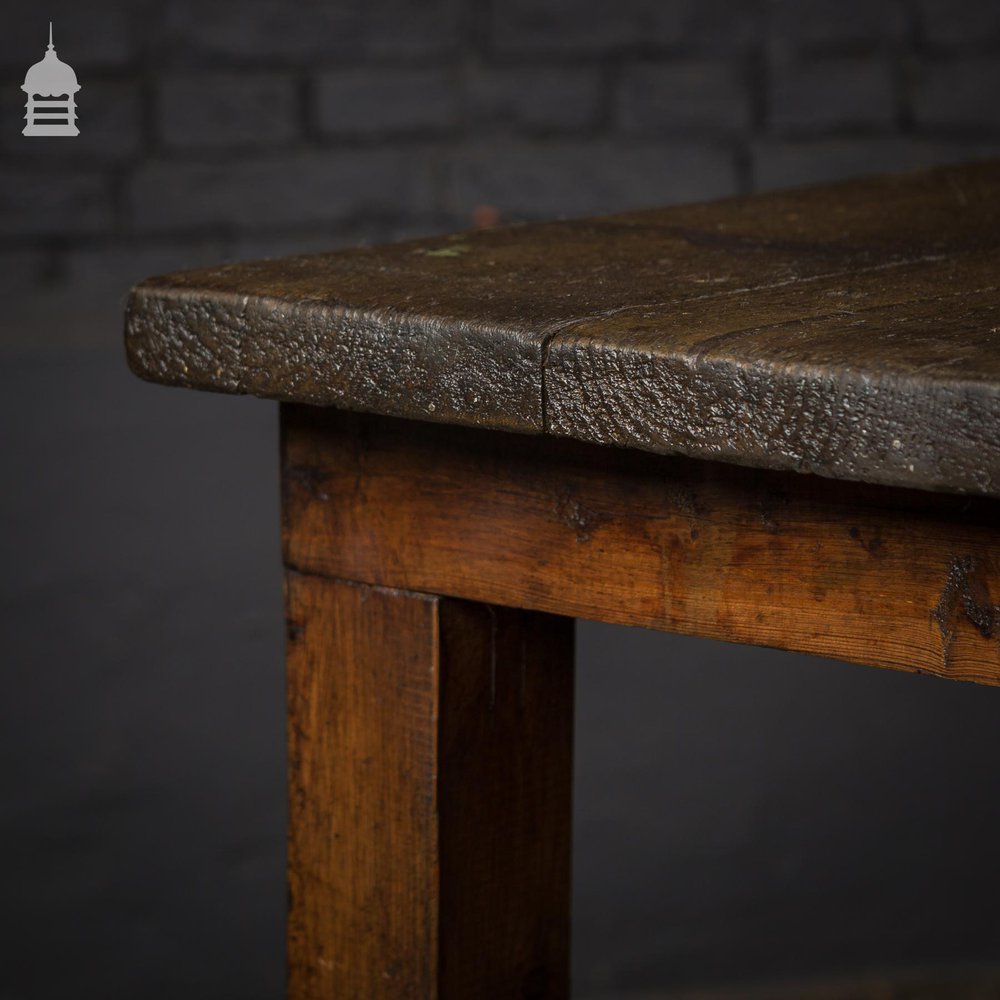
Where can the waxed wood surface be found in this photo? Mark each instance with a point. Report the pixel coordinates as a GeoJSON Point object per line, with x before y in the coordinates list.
{"type": "Point", "coordinates": [896, 578]}
{"type": "Point", "coordinates": [849, 330]}
{"type": "Point", "coordinates": [430, 745]}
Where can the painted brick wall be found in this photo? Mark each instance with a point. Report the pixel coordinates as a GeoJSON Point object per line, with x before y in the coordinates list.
{"type": "Point", "coordinates": [226, 128]}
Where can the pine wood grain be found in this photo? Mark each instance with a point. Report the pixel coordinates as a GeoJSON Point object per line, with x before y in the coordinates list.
{"type": "Point", "coordinates": [430, 750]}
{"type": "Point", "coordinates": [893, 578]}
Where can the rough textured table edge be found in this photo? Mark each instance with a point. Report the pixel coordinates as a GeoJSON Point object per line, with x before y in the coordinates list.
{"type": "Point", "coordinates": [528, 378]}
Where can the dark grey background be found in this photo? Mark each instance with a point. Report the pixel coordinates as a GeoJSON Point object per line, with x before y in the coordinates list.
{"type": "Point", "coordinates": [741, 815]}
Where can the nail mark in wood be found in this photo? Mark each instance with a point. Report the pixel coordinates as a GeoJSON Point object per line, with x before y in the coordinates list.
{"type": "Point", "coordinates": [873, 546]}
{"type": "Point", "coordinates": [311, 478]}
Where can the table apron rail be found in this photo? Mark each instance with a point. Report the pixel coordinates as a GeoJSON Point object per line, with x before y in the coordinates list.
{"type": "Point", "coordinates": [895, 578]}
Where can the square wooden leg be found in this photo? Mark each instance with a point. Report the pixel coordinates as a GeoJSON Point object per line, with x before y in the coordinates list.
{"type": "Point", "coordinates": [430, 746]}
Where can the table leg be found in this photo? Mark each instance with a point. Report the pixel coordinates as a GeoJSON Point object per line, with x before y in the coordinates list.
{"type": "Point", "coordinates": [430, 749]}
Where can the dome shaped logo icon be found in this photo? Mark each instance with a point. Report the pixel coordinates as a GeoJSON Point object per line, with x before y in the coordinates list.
{"type": "Point", "coordinates": [51, 87]}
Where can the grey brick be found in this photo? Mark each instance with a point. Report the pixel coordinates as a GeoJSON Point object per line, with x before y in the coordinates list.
{"type": "Point", "coordinates": [108, 119]}
{"type": "Point", "coordinates": [24, 282]}
{"type": "Point", "coordinates": [958, 93]}
{"type": "Point", "coordinates": [300, 190]}
{"type": "Point", "coordinates": [572, 26]}
{"type": "Point", "coordinates": [782, 163]}
{"type": "Point", "coordinates": [836, 22]}
{"type": "Point", "coordinates": [21, 271]}
{"type": "Point", "coordinates": [264, 29]}
{"type": "Point", "coordinates": [699, 95]}
{"type": "Point", "coordinates": [99, 33]}
{"type": "Point", "coordinates": [960, 22]}
{"type": "Point", "coordinates": [520, 26]}
{"type": "Point", "coordinates": [53, 202]}
{"type": "Point", "coordinates": [376, 102]}
{"type": "Point", "coordinates": [831, 93]}
{"type": "Point", "coordinates": [539, 180]}
{"type": "Point", "coordinates": [703, 24]}
{"type": "Point", "coordinates": [534, 98]}
{"type": "Point", "coordinates": [273, 30]}
{"type": "Point", "coordinates": [227, 109]}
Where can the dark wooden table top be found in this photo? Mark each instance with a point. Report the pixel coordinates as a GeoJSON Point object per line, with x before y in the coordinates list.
{"type": "Point", "coordinates": [849, 330]}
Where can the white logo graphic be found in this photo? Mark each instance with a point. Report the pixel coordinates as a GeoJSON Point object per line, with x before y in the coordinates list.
{"type": "Point", "coordinates": [51, 88]}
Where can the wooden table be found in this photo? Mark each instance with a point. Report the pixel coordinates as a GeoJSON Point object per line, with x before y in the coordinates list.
{"type": "Point", "coordinates": [773, 420]}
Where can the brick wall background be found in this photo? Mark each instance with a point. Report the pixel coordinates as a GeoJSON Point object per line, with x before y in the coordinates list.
{"type": "Point", "coordinates": [742, 816]}
{"type": "Point", "coordinates": [245, 127]}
